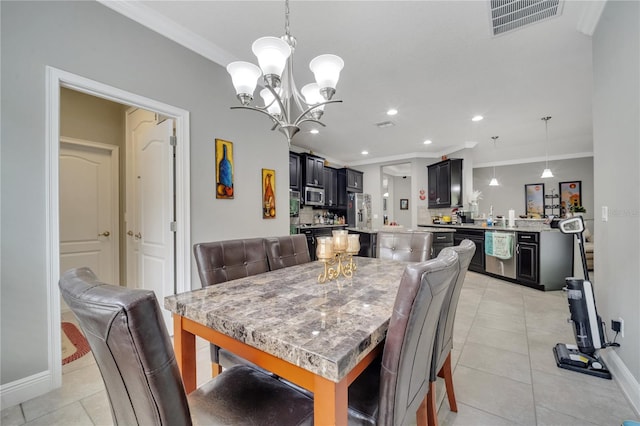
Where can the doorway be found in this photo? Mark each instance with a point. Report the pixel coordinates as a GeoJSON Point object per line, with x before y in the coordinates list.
{"type": "Point", "coordinates": [181, 279]}
{"type": "Point", "coordinates": [396, 186]}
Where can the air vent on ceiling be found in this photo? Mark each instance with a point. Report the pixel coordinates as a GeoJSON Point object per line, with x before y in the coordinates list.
{"type": "Point", "coordinates": [507, 15]}
{"type": "Point", "coordinates": [384, 124]}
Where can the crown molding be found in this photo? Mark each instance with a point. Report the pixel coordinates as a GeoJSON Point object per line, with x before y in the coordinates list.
{"type": "Point", "coordinates": [590, 17]}
{"type": "Point", "coordinates": [533, 160]}
{"type": "Point", "coordinates": [159, 23]}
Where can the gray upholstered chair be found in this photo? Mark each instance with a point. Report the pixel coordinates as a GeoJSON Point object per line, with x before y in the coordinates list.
{"type": "Point", "coordinates": [133, 351]}
{"type": "Point", "coordinates": [441, 361]}
{"type": "Point", "coordinates": [223, 261]}
{"type": "Point", "coordinates": [287, 251]}
{"type": "Point", "coordinates": [405, 246]}
{"type": "Point", "coordinates": [393, 391]}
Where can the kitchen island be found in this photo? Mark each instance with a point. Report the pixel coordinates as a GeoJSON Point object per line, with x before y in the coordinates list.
{"type": "Point", "coordinates": [538, 256]}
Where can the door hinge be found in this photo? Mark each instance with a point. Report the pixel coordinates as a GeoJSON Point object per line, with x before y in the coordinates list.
{"type": "Point", "coordinates": [173, 141]}
{"type": "Point", "coordinates": [173, 226]}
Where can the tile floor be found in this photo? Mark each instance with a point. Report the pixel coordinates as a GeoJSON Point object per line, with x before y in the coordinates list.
{"type": "Point", "coordinates": [505, 373]}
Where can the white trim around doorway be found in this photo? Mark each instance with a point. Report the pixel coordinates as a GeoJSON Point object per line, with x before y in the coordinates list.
{"type": "Point", "coordinates": [55, 79]}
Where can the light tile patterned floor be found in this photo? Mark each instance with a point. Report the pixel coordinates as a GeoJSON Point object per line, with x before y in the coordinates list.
{"type": "Point", "coordinates": [504, 370]}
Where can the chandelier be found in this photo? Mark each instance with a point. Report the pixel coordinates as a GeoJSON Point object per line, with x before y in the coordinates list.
{"type": "Point", "coordinates": [280, 95]}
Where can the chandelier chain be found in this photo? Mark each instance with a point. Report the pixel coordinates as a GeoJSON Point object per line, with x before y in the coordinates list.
{"type": "Point", "coordinates": [286, 18]}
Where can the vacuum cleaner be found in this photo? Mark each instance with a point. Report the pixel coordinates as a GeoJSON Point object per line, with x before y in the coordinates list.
{"type": "Point", "coordinates": [587, 324]}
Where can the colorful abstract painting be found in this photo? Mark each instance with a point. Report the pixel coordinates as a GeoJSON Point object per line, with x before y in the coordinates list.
{"type": "Point", "coordinates": [534, 200]}
{"type": "Point", "coordinates": [224, 169]}
{"type": "Point", "coordinates": [570, 195]}
{"type": "Point", "coordinates": [268, 194]}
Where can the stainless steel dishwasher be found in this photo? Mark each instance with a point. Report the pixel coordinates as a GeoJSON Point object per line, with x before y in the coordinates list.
{"type": "Point", "coordinates": [500, 254]}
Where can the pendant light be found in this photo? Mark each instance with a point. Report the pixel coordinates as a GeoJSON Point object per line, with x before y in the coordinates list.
{"type": "Point", "coordinates": [547, 171]}
{"type": "Point", "coordinates": [494, 181]}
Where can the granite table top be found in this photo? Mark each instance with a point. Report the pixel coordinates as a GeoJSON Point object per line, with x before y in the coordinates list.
{"type": "Point", "coordinates": [324, 328]}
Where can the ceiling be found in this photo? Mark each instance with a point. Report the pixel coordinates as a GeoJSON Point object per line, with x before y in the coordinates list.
{"type": "Point", "coordinates": [437, 62]}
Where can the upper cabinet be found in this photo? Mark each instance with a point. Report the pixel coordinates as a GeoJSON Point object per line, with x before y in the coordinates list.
{"type": "Point", "coordinates": [312, 170]}
{"type": "Point", "coordinates": [445, 184]}
{"type": "Point", "coordinates": [349, 180]}
{"type": "Point", "coordinates": [295, 171]}
{"type": "Point", "coordinates": [330, 187]}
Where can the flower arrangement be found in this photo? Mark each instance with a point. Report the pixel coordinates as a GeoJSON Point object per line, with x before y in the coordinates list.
{"type": "Point", "coordinates": [577, 209]}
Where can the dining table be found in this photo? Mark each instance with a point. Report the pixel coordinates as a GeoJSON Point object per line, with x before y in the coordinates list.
{"type": "Point", "coordinates": [317, 336]}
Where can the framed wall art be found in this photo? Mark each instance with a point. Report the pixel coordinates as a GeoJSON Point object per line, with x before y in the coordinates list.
{"type": "Point", "coordinates": [534, 199]}
{"type": "Point", "coordinates": [224, 169]}
{"type": "Point", "coordinates": [404, 204]}
{"type": "Point", "coordinates": [268, 194]}
{"type": "Point", "coordinates": [570, 195]}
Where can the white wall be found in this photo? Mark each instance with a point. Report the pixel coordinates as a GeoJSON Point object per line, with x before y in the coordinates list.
{"type": "Point", "coordinates": [402, 189]}
{"type": "Point", "coordinates": [88, 39]}
{"type": "Point", "coordinates": [616, 124]}
{"type": "Point", "coordinates": [510, 193]}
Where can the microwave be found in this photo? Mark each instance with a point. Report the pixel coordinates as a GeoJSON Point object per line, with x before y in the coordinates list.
{"type": "Point", "coordinates": [313, 196]}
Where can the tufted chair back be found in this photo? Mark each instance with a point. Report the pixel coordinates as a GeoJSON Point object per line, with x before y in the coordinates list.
{"type": "Point", "coordinates": [391, 392]}
{"type": "Point", "coordinates": [229, 260]}
{"type": "Point", "coordinates": [286, 251]}
{"type": "Point", "coordinates": [405, 246]}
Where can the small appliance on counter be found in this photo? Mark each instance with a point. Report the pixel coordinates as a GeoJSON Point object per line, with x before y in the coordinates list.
{"type": "Point", "coordinates": [464, 216]}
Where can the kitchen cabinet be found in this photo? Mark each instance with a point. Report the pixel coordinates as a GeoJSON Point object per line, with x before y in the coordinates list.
{"type": "Point", "coordinates": [445, 184]}
{"type": "Point", "coordinates": [349, 180]}
{"type": "Point", "coordinates": [477, 237]}
{"type": "Point", "coordinates": [312, 170]}
{"type": "Point", "coordinates": [527, 257]}
{"type": "Point", "coordinates": [312, 234]}
{"type": "Point", "coordinates": [368, 243]}
{"type": "Point", "coordinates": [295, 171]}
{"type": "Point", "coordinates": [440, 241]}
{"type": "Point", "coordinates": [330, 187]}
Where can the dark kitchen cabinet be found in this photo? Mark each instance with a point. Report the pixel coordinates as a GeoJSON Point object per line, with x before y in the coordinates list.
{"type": "Point", "coordinates": [349, 180]}
{"type": "Point", "coordinates": [330, 187]}
{"type": "Point", "coordinates": [477, 237]}
{"type": "Point", "coordinates": [527, 257]}
{"type": "Point", "coordinates": [312, 170]}
{"type": "Point", "coordinates": [440, 241]}
{"type": "Point", "coordinates": [368, 243]}
{"type": "Point", "coordinates": [445, 184]}
{"type": "Point", "coordinates": [295, 171]}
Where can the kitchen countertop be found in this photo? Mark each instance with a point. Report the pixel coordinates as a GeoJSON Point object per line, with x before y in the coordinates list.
{"type": "Point", "coordinates": [319, 226]}
{"type": "Point", "coordinates": [542, 228]}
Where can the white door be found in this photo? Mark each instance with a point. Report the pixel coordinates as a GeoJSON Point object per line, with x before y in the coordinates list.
{"type": "Point", "coordinates": [89, 207]}
{"type": "Point", "coordinates": [150, 206]}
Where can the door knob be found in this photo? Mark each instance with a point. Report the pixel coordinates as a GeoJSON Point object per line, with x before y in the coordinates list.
{"type": "Point", "coordinates": [130, 233]}
{"type": "Point", "coordinates": [138, 236]}
{"type": "Point", "coordinates": [104, 234]}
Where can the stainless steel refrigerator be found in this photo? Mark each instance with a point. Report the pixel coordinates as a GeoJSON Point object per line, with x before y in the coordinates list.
{"type": "Point", "coordinates": [359, 210]}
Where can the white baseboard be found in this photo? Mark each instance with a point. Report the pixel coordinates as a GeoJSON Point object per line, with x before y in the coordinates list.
{"type": "Point", "coordinates": [25, 389]}
{"type": "Point", "coordinates": [628, 384]}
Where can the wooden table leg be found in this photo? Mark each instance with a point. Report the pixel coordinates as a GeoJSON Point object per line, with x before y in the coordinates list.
{"type": "Point", "coordinates": [330, 402]}
{"type": "Point", "coordinates": [184, 346]}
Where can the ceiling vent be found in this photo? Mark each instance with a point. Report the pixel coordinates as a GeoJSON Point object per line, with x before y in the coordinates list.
{"type": "Point", "coordinates": [507, 15]}
{"type": "Point", "coordinates": [384, 124]}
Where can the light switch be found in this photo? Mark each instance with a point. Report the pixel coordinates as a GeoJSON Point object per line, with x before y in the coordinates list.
{"type": "Point", "coordinates": [605, 214]}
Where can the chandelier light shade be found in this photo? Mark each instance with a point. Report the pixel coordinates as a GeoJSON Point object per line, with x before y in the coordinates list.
{"type": "Point", "coordinates": [287, 107]}
{"type": "Point", "coordinates": [546, 173]}
{"type": "Point", "coordinates": [245, 77]}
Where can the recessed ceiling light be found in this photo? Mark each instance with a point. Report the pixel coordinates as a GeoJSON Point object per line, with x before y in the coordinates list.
{"type": "Point", "coordinates": [392, 111]}
{"type": "Point", "coordinates": [365, 152]}
{"type": "Point", "coordinates": [427, 142]}
{"type": "Point", "coordinates": [477, 118]}
{"type": "Point", "coordinates": [314, 131]}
